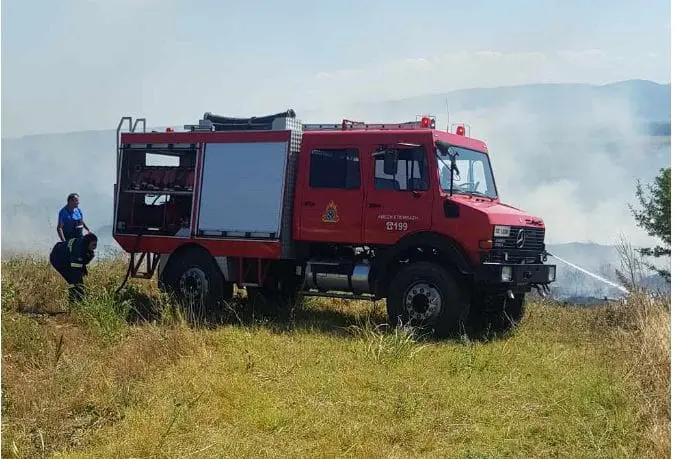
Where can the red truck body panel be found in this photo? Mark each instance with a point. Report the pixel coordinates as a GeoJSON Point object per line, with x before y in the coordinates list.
{"type": "Point", "coordinates": [203, 137]}
{"type": "Point", "coordinates": [362, 215]}
{"type": "Point", "coordinates": [217, 247]}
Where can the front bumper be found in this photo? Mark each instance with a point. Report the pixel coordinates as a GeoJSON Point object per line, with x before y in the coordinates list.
{"type": "Point", "coordinates": [515, 274]}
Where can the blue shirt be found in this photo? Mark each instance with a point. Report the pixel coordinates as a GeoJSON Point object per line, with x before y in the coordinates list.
{"type": "Point", "coordinates": [72, 221]}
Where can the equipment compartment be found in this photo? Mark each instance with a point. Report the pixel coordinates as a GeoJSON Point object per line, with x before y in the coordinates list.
{"type": "Point", "coordinates": [237, 173]}
{"type": "Point", "coordinates": [156, 189]}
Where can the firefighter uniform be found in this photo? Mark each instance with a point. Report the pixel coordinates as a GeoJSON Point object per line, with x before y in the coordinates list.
{"type": "Point", "coordinates": [70, 258]}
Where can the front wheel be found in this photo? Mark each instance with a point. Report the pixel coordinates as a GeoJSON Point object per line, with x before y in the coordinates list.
{"type": "Point", "coordinates": [427, 296]}
{"type": "Point", "coordinates": [496, 314]}
{"type": "Point", "coordinates": [509, 313]}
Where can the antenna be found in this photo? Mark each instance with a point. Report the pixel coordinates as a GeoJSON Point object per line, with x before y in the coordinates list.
{"type": "Point", "coordinates": [448, 114]}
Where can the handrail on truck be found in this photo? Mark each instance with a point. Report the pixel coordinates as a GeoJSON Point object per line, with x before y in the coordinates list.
{"type": "Point", "coordinates": [132, 127]}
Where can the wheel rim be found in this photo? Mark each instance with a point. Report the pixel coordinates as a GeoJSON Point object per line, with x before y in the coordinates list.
{"type": "Point", "coordinates": [193, 284]}
{"type": "Point", "coordinates": [422, 301]}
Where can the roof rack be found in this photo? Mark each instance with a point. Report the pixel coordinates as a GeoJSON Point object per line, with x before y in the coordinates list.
{"type": "Point", "coordinates": [212, 122]}
{"type": "Point", "coordinates": [348, 125]}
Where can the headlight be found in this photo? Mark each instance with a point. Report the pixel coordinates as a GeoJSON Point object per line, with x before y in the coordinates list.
{"type": "Point", "coordinates": [502, 231]}
{"type": "Point", "coordinates": [551, 275]}
{"type": "Point", "coordinates": [506, 275]}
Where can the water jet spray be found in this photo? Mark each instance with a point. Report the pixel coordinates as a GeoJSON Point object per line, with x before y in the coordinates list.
{"type": "Point", "coordinates": [596, 276]}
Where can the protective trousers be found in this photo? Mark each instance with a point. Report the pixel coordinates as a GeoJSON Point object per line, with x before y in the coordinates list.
{"type": "Point", "coordinates": [72, 274]}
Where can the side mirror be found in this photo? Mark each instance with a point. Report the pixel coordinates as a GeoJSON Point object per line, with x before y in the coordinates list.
{"type": "Point", "coordinates": [390, 166]}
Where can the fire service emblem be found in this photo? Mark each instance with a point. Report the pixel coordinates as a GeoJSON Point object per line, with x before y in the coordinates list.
{"type": "Point", "coordinates": [330, 215]}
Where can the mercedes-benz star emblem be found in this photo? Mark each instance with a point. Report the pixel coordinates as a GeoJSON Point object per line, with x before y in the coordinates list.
{"type": "Point", "coordinates": [520, 239]}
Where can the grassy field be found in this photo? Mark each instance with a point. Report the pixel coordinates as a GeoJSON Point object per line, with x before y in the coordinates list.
{"type": "Point", "coordinates": [126, 377]}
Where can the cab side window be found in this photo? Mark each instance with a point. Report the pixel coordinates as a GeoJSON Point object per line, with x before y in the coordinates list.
{"type": "Point", "coordinates": [335, 168]}
{"type": "Point", "coordinates": [408, 173]}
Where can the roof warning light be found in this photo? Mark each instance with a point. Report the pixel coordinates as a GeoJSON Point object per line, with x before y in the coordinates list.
{"type": "Point", "coordinates": [427, 122]}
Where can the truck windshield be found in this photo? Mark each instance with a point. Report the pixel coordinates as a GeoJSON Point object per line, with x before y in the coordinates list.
{"type": "Point", "coordinates": [470, 171]}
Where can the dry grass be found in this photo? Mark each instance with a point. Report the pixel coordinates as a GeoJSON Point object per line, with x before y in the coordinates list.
{"type": "Point", "coordinates": [65, 372]}
{"type": "Point", "coordinates": [96, 381]}
{"type": "Point", "coordinates": [642, 329]}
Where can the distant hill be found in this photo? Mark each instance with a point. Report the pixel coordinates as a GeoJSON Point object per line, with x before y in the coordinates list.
{"type": "Point", "coordinates": [645, 101]}
{"type": "Point", "coordinates": [587, 255]}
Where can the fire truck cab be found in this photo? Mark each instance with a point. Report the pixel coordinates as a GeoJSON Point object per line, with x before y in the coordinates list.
{"type": "Point", "coordinates": [403, 211]}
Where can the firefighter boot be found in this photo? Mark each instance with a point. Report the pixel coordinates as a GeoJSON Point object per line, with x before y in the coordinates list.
{"type": "Point", "coordinates": [76, 292]}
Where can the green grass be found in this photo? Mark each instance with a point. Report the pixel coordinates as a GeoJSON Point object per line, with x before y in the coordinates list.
{"type": "Point", "coordinates": [97, 382]}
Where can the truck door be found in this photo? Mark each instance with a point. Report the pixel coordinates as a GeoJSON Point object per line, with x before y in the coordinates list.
{"type": "Point", "coordinates": [331, 207]}
{"type": "Point", "coordinates": [399, 199]}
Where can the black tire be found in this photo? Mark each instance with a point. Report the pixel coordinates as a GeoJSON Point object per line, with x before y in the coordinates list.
{"type": "Point", "coordinates": [278, 296]}
{"type": "Point", "coordinates": [275, 304]}
{"type": "Point", "coordinates": [496, 314]}
{"type": "Point", "coordinates": [194, 278]}
{"type": "Point", "coordinates": [509, 314]}
{"type": "Point", "coordinates": [417, 306]}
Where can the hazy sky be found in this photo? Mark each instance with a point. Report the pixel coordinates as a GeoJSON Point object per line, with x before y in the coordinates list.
{"type": "Point", "coordinates": [72, 65]}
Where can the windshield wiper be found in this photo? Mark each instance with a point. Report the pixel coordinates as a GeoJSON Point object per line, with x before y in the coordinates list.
{"type": "Point", "coordinates": [473, 193]}
{"type": "Point", "coordinates": [443, 161]}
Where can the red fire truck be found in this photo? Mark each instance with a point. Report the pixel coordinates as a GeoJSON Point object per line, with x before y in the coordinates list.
{"type": "Point", "coordinates": [402, 212]}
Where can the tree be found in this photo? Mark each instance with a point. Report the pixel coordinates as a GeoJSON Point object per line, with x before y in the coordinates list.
{"type": "Point", "coordinates": [630, 272]}
{"type": "Point", "coordinates": [654, 217]}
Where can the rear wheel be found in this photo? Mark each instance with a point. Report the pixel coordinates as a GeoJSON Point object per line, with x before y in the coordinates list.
{"type": "Point", "coordinates": [194, 278]}
{"type": "Point", "coordinates": [275, 304]}
{"type": "Point", "coordinates": [427, 296]}
{"type": "Point", "coordinates": [278, 296]}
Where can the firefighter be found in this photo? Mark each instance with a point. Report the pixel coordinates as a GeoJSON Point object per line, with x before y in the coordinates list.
{"type": "Point", "coordinates": [70, 258]}
{"type": "Point", "coordinates": [70, 219]}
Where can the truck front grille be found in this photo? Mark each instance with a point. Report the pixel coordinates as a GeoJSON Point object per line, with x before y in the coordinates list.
{"type": "Point", "coordinates": [513, 249]}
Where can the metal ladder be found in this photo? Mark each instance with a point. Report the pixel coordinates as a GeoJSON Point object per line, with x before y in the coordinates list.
{"type": "Point", "coordinates": [132, 127]}
{"type": "Point", "coordinates": [151, 259]}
